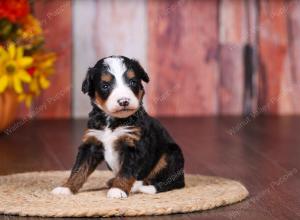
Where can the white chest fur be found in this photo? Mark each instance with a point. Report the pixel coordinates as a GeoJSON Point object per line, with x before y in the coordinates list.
{"type": "Point", "coordinates": [108, 137]}
{"type": "Point", "coordinates": [111, 156]}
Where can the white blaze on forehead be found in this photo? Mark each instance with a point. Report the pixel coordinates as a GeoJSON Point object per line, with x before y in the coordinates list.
{"type": "Point", "coordinates": [116, 67]}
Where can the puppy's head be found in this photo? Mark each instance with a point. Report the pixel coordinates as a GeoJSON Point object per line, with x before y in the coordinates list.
{"type": "Point", "coordinates": [115, 85]}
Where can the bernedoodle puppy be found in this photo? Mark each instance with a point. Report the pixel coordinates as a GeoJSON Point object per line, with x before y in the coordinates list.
{"type": "Point", "coordinates": [136, 148]}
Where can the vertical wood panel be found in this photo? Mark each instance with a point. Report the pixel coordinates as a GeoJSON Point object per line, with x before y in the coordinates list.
{"type": "Point", "coordinates": [274, 57]}
{"type": "Point", "coordinates": [293, 8]}
{"type": "Point", "coordinates": [232, 13]}
{"type": "Point", "coordinates": [55, 17]}
{"type": "Point", "coordinates": [182, 48]}
{"type": "Point", "coordinates": [103, 28]}
{"type": "Point", "coordinates": [251, 59]}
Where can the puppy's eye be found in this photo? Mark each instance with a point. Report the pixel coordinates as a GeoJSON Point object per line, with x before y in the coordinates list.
{"type": "Point", "coordinates": [105, 86]}
{"type": "Point", "coordinates": [133, 83]}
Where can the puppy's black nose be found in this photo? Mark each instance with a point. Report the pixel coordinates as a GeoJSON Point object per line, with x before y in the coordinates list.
{"type": "Point", "coordinates": [124, 102]}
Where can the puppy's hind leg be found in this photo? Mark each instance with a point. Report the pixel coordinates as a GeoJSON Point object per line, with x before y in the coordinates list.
{"type": "Point", "coordinates": [171, 173]}
{"type": "Point", "coordinates": [88, 157]}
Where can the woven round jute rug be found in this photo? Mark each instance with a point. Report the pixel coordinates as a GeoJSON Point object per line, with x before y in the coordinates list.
{"type": "Point", "coordinates": [28, 194]}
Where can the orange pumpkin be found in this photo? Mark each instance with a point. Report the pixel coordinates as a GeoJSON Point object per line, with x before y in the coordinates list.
{"type": "Point", "coordinates": [8, 108]}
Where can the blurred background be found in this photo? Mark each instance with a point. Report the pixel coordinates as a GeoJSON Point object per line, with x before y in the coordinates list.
{"type": "Point", "coordinates": [227, 57]}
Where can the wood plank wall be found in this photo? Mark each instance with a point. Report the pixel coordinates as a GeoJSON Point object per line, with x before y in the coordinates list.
{"type": "Point", "coordinates": [227, 57]}
{"type": "Point", "coordinates": [273, 39]}
{"type": "Point", "coordinates": [56, 18]}
{"type": "Point", "coordinates": [214, 57]}
{"type": "Point", "coordinates": [103, 28]}
{"type": "Point", "coordinates": [183, 57]}
{"type": "Point", "coordinates": [294, 46]}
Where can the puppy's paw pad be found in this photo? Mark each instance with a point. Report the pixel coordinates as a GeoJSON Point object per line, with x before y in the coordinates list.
{"type": "Point", "coordinates": [147, 189]}
{"type": "Point", "coordinates": [115, 193]}
{"type": "Point", "coordinates": [61, 191]}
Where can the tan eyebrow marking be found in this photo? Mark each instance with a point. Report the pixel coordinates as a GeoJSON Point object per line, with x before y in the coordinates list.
{"type": "Point", "coordinates": [130, 74]}
{"type": "Point", "coordinates": [106, 77]}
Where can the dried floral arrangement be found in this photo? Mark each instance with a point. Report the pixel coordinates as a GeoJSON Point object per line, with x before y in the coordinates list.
{"type": "Point", "coordinates": [25, 64]}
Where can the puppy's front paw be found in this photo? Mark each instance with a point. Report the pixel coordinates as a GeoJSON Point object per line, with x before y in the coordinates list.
{"type": "Point", "coordinates": [61, 191]}
{"type": "Point", "coordinates": [148, 189]}
{"type": "Point", "coordinates": [136, 186]}
{"type": "Point", "coordinates": [116, 193]}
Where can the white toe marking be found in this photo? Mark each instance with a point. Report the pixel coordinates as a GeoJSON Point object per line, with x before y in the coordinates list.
{"type": "Point", "coordinates": [148, 189]}
{"type": "Point", "coordinates": [136, 186]}
{"type": "Point", "coordinates": [61, 191]}
{"type": "Point", "coordinates": [116, 193]}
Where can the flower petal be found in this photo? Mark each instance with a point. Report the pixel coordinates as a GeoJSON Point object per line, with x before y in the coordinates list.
{"type": "Point", "coordinates": [24, 76]}
{"type": "Point", "coordinates": [11, 50]}
{"type": "Point", "coordinates": [3, 83]}
{"type": "Point", "coordinates": [21, 97]}
{"type": "Point", "coordinates": [25, 61]}
{"type": "Point", "coordinates": [17, 85]}
{"type": "Point", "coordinates": [28, 101]}
{"type": "Point", "coordinates": [20, 52]}
{"type": "Point", "coordinates": [3, 53]}
{"type": "Point", "coordinates": [34, 87]}
{"type": "Point", "coordinates": [44, 82]}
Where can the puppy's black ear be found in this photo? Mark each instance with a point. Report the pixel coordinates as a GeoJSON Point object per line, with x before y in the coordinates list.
{"type": "Point", "coordinates": [138, 69]}
{"type": "Point", "coordinates": [88, 85]}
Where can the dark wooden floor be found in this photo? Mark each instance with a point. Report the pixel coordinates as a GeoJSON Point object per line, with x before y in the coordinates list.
{"type": "Point", "coordinates": [263, 153]}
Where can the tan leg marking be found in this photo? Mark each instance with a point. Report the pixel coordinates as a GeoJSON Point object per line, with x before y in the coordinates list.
{"type": "Point", "coordinates": [122, 183]}
{"type": "Point", "coordinates": [161, 164]}
{"type": "Point", "coordinates": [78, 178]}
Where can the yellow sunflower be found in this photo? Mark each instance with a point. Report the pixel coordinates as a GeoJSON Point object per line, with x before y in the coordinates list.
{"type": "Point", "coordinates": [41, 70]}
{"type": "Point", "coordinates": [13, 66]}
